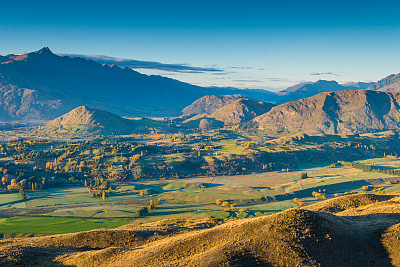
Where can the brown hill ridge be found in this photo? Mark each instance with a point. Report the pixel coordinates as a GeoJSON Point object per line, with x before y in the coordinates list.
{"type": "Point", "coordinates": [236, 112]}
{"type": "Point", "coordinates": [210, 103]}
{"type": "Point", "coordinates": [92, 119]}
{"type": "Point", "coordinates": [357, 230]}
{"type": "Point", "coordinates": [241, 110]}
{"type": "Point", "coordinates": [343, 112]}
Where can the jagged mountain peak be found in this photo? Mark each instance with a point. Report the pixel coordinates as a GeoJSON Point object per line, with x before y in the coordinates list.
{"type": "Point", "coordinates": [44, 51]}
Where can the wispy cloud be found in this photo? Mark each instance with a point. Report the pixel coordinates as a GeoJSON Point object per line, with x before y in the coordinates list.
{"type": "Point", "coordinates": [241, 68]}
{"type": "Point", "coordinates": [249, 81]}
{"type": "Point", "coordinates": [324, 73]}
{"type": "Point", "coordinates": [139, 64]}
{"type": "Point", "coordinates": [272, 79]}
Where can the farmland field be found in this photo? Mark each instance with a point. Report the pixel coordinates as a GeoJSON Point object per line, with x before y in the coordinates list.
{"type": "Point", "coordinates": [33, 226]}
{"type": "Point", "coordinates": [72, 209]}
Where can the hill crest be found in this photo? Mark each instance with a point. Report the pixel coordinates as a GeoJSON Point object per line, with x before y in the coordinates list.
{"type": "Point", "coordinates": [241, 110]}
{"type": "Point", "coordinates": [209, 104]}
{"type": "Point", "coordinates": [93, 119]}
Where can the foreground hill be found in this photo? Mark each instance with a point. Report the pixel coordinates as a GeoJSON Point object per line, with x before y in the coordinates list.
{"type": "Point", "coordinates": [357, 230]}
{"type": "Point", "coordinates": [335, 113]}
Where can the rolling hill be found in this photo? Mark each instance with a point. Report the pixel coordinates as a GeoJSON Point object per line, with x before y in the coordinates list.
{"type": "Point", "coordinates": [343, 112]}
{"type": "Point", "coordinates": [92, 120]}
{"type": "Point", "coordinates": [355, 230]}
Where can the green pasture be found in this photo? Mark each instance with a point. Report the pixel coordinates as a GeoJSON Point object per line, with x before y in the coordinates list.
{"type": "Point", "coordinates": [51, 225]}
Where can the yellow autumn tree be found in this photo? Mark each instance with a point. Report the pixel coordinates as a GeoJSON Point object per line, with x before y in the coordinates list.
{"type": "Point", "coordinates": [13, 185]}
{"type": "Point", "coordinates": [151, 206]}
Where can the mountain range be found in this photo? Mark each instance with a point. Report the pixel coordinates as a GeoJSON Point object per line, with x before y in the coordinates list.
{"type": "Point", "coordinates": [42, 86]}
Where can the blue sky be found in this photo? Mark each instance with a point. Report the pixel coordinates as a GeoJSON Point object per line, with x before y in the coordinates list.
{"type": "Point", "coordinates": [246, 44]}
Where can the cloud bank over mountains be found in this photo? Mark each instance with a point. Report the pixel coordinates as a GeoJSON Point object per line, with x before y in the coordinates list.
{"type": "Point", "coordinates": [140, 64]}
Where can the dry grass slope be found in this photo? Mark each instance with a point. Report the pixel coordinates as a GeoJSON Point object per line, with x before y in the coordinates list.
{"type": "Point", "coordinates": [358, 230]}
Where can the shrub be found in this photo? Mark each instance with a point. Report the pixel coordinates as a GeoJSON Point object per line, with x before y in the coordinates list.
{"type": "Point", "coordinates": [142, 211]}
{"type": "Point", "coordinates": [303, 175]}
{"type": "Point", "coordinates": [367, 188]}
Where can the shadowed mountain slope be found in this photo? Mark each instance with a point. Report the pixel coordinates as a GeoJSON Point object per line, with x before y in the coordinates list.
{"type": "Point", "coordinates": [357, 230]}
{"type": "Point", "coordinates": [335, 113]}
{"type": "Point", "coordinates": [77, 81]}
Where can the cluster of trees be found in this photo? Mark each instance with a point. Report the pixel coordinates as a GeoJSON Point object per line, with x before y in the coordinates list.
{"type": "Point", "coordinates": [371, 168]}
{"type": "Point", "coordinates": [297, 201]}
{"type": "Point", "coordinates": [318, 195]}
{"type": "Point", "coordinates": [59, 164]}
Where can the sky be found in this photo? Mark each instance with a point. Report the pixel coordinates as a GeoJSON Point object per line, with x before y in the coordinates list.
{"type": "Point", "coordinates": [245, 44]}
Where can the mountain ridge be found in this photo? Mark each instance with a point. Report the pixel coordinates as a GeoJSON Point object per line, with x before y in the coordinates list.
{"type": "Point", "coordinates": [308, 89]}
{"type": "Point", "coordinates": [389, 83]}
{"type": "Point", "coordinates": [342, 112]}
